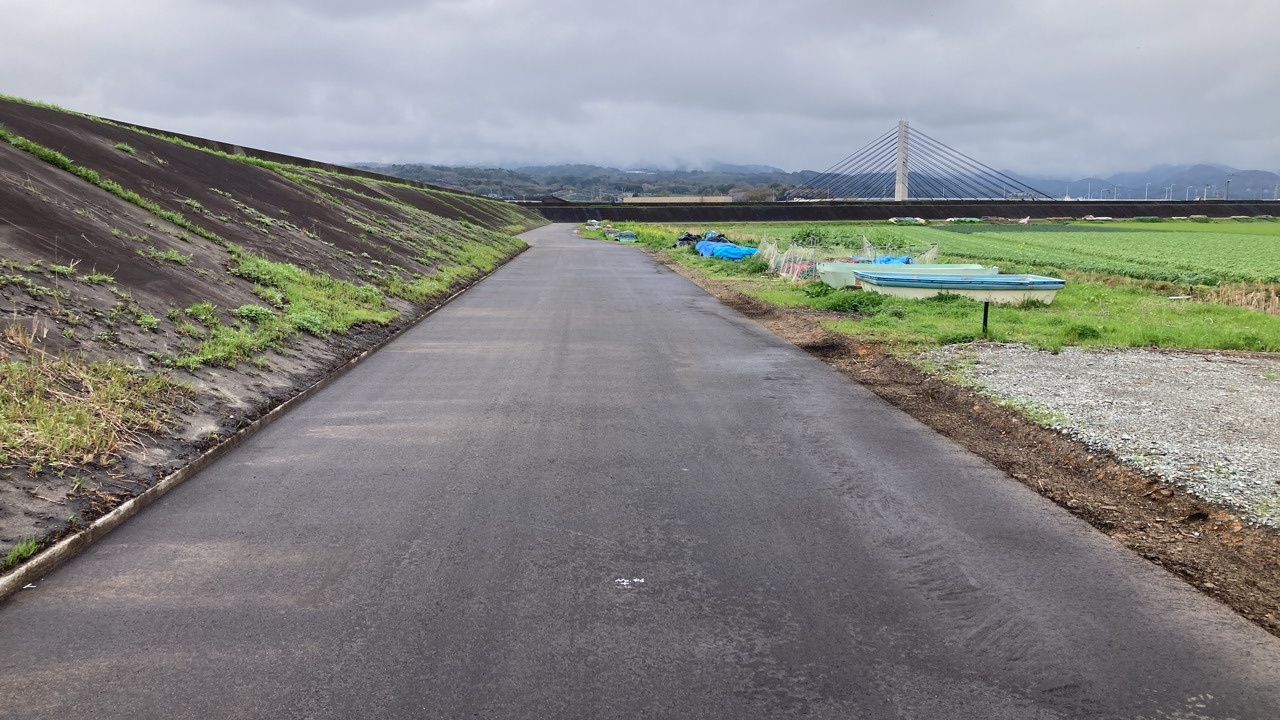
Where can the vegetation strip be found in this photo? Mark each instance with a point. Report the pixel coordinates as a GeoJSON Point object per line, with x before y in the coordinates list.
{"type": "Point", "coordinates": [58, 160]}
{"type": "Point", "coordinates": [1094, 310]}
{"type": "Point", "coordinates": [319, 305]}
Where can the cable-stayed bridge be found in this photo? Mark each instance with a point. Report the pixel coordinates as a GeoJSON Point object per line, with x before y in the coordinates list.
{"type": "Point", "coordinates": [906, 164]}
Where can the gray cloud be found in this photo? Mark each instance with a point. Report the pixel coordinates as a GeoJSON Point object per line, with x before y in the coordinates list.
{"type": "Point", "coordinates": [1048, 87]}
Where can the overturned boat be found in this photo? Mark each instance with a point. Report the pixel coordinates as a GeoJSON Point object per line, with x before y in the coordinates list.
{"type": "Point", "coordinates": [841, 274]}
{"type": "Point", "coordinates": [993, 288]}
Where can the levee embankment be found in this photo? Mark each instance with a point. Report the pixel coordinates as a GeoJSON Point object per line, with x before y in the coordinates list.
{"type": "Point", "coordinates": [159, 293]}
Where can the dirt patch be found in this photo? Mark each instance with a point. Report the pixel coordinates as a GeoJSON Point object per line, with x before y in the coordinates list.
{"type": "Point", "coordinates": [1208, 546]}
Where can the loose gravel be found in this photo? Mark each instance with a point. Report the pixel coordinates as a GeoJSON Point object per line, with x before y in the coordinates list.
{"type": "Point", "coordinates": [1207, 422]}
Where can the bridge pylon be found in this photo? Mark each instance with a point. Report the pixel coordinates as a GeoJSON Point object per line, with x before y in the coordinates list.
{"type": "Point", "coordinates": [905, 164]}
{"type": "Point", "coordinates": [900, 176]}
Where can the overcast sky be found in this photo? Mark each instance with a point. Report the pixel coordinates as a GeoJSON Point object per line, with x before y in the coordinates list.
{"type": "Point", "coordinates": [1042, 87]}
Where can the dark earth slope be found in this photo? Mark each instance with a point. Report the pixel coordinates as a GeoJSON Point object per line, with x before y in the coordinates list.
{"type": "Point", "coordinates": [200, 286]}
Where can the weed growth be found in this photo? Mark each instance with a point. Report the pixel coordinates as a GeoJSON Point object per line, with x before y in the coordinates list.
{"type": "Point", "coordinates": [171, 256]}
{"type": "Point", "coordinates": [254, 313]}
{"type": "Point", "coordinates": [312, 303]}
{"type": "Point", "coordinates": [97, 278]}
{"type": "Point", "coordinates": [55, 414]}
{"type": "Point", "coordinates": [20, 552]}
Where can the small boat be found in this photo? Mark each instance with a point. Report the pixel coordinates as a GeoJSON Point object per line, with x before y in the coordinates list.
{"type": "Point", "coordinates": [999, 289]}
{"type": "Point", "coordinates": [840, 274]}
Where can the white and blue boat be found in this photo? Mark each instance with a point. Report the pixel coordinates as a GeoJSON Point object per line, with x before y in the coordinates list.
{"type": "Point", "coordinates": [840, 274]}
{"type": "Point", "coordinates": [984, 287]}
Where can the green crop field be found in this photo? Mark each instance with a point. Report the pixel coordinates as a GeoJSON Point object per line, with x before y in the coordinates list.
{"type": "Point", "coordinates": [1186, 253]}
{"type": "Point", "coordinates": [1199, 258]}
{"type": "Point", "coordinates": [1122, 289]}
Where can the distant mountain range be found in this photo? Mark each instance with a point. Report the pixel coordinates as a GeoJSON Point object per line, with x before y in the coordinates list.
{"type": "Point", "coordinates": [581, 182]}
{"type": "Point", "coordinates": [1173, 182]}
{"type": "Point", "coordinates": [594, 182]}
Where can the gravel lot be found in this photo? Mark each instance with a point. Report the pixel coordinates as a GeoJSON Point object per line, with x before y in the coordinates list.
{"type": "Point", "coordinates": [1209, 422]}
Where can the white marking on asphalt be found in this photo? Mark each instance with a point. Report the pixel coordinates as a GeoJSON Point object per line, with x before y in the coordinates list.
{"type": "Point", "coordinates": [628, 582]}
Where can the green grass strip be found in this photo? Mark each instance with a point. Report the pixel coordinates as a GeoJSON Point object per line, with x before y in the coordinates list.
{"type": "Point", "coordinates": [58, 160]}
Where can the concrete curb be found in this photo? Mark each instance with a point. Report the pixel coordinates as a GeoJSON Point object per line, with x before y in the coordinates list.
{"type": "Point", "coordinates": [67, 548]}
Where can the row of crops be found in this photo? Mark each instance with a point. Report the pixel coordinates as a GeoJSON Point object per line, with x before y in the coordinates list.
{"type": "Point", "coordinates": [1096, 308]}
{"type": "Point", "coordinates": [1210, 255]}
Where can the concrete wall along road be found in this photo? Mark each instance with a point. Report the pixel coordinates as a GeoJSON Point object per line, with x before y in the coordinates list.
{"type": "Point", "coordinates": [883, 210]}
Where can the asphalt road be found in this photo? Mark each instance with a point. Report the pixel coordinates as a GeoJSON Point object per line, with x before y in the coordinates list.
{"type": "Point", "coordinates": [587, 490]}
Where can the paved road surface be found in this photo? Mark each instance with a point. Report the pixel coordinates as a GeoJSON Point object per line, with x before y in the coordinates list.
{"type": "Point", "coordinates": [459, 528]}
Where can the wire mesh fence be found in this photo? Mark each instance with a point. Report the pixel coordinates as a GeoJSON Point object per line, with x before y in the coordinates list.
{"type": "Point", "coordinates": [799, 262]}
{"type": "Point", "coordinates": [917, 253]}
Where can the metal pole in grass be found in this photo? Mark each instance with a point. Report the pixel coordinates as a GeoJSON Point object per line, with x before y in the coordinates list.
{"type": "Point", "coordinates": [986, 306]}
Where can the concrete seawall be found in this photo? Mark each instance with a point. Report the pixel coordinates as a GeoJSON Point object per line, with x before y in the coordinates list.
{"type": "Point", "coordinates": [883, 210]}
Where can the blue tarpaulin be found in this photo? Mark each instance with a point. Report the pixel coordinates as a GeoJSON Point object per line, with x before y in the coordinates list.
{"type": "Point", "coordinates": [723, 250]}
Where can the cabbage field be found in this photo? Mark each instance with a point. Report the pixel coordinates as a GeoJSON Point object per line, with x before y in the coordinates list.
{"type": "Point", "coordinates": [1174, 284]}
{"type": "Point", "coordinates": [1186, 253]}
{"type": "Point", "coordinates": [1190, 258]}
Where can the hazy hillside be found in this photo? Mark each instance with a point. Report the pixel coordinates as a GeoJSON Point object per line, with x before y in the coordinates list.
{"type": "Point", "coordinates": [1176, 182]}
{"type": "Point", "coordinates": [581, 182]}
{"type": "Point", "coordinates": [593, 182]}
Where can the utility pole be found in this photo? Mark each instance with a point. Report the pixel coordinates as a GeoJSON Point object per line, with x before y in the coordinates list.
{"type": "Point", "coordinates": [1146, 191]}
{"type": "Point", "coordinates": [1227, 196]}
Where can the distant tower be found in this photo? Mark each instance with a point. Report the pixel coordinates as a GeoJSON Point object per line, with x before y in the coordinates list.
{"type": "Point", "coordinates": [900, 177]}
